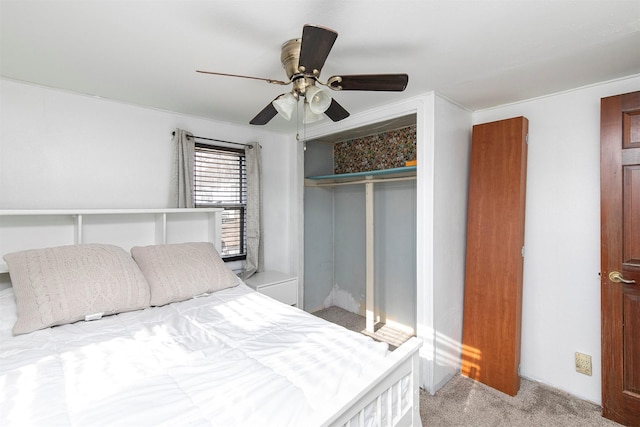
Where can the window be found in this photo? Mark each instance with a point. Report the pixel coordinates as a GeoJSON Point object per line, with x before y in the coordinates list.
{"type": "Point", "coordinates": [220, 180]}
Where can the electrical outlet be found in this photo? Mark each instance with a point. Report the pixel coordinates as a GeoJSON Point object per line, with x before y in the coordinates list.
{"type": "Point", "coordinates": [583, 363]}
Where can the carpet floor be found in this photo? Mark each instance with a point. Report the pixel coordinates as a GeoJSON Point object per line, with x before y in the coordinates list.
{"type": "Point", "coordinates": [465, 402]}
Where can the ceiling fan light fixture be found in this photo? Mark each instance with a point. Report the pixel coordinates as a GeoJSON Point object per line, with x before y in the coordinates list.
{"type": "Point", "coordinates": [309, 115]}
{"type": "Point", "coordinates": [303, 59]}
{"type": "Point", "coordinates": [317, 99]}
{"type": "Point", "coordinates": [285, 104]}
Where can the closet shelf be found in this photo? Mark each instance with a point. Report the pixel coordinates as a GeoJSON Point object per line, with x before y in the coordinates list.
{"type": "Point", "coordinates": [395, 174]}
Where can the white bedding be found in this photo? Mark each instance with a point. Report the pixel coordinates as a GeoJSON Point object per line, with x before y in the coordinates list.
{"type": "Point", "coordinates": [235, 357]}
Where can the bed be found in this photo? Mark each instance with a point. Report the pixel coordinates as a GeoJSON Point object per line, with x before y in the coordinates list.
{"type": "Point", "coordinates": [156, 343]}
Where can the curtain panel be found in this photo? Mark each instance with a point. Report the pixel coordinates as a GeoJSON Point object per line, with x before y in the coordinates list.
{"type": "Point", "coordinates": [255, 249]}
{"type": "Point", "coordinates": [182, 185]}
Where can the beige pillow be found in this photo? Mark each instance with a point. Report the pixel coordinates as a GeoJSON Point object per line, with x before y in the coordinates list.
{"type": "Point", "coordinates": [64, 284]}
{"type": "Point", "coordinates": [179, 271]}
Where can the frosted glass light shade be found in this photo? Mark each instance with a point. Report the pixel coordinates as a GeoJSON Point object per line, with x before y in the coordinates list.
{"type": "Point", "coordinates": [318, 100]}
{"type": "Point", "coordinates": [309, 115]}
{"type": "Point", "coordinates": [285, 104]}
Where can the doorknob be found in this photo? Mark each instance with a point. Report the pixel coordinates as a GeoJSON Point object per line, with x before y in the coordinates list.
{"type": "Point", "coordinates": [616, 277]}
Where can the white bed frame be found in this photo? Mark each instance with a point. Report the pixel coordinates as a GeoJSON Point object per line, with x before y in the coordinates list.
{"type": "Point", "coordinates": [29, 229]}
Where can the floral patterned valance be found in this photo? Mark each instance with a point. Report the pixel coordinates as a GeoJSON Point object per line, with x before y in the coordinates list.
{"type": "Point", "coordinates": [384, 150]}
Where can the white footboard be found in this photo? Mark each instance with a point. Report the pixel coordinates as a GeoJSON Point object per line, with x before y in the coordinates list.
{"type": "Point", "coordinates": [391, 399]}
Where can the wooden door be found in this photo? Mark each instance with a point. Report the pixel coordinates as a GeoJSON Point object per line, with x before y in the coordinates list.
{"type": "Point", "coordinates": [620, 252]}
{"type": "Point", "coordinates": [494, 263]}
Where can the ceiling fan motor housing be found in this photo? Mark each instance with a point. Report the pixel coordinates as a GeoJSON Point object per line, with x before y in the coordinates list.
{"type": "Point", "coordinates": [290, 56]}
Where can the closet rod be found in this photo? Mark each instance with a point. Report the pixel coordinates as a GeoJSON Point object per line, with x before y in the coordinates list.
{"type": "Point", "coordinates": [213, 139]}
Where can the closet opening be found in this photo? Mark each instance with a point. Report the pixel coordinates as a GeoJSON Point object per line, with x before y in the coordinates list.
{"type": "Point", "coordinates": [360, 228]}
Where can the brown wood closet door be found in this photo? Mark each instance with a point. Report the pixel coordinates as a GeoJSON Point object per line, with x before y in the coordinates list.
{"type": "Point", "coordinates": [494, 263]}
{"type": "Point", "coordinates": [620, 252]}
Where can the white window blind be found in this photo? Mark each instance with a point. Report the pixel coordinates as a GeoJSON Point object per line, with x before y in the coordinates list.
{"type": "Point", "coordinates": [220, 180]}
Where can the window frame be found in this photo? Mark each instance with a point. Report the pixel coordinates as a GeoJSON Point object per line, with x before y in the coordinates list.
{"type": "Point", "coordinates": [241, 194]}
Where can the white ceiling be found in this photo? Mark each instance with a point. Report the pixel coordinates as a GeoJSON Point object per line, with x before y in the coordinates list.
{"type": "Point", "coordinates": [479, 53]}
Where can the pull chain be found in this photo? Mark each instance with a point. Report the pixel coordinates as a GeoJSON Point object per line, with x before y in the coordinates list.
{"type": "Point", "coordinates": [304, 126]}
{"type": "Point", "coordinates": [298, 121]}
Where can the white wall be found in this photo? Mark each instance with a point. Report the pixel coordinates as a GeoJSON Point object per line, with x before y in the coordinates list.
{"type": "Point", "coordinates": [451, 187]}
{"type": "Point", "coordinates": [65, 150]}
{"type": "Point", "coordinates": [561, 295]}
{"type": "Point", "coordinates": [318, 233]}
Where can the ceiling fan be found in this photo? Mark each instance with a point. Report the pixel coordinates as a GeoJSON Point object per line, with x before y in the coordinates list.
{"type": "Point", "coordinates": [303, 59]}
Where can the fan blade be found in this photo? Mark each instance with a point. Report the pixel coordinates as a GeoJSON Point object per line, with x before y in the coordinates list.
{"type": "Point", "coordinates": [277, 82]}
{"type": "Point", "coordinates": [315, 47]}
{"type": "Point", "coordinates": [374, 82]}
{"type": "Point", "coordinates": [263, 117]}
{"type": "Point", "coordinates": [335, 111]}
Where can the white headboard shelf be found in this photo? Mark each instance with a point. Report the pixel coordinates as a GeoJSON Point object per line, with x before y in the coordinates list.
{"type": "Point", "coordinates": [22, 229]}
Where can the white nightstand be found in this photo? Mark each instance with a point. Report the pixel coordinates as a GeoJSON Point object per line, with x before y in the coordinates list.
{"type": "Point", "coordinates": [280, 286]}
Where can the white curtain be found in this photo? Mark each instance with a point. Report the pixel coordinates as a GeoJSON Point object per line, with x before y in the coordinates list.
{"type": "Point", "coordinates": [182, 185]}
{"type": "Point", "coordinates": [255, 251]}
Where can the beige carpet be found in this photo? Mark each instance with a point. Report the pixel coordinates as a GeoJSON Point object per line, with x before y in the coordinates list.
{"type": "Point", "coordinates": [464, 402]}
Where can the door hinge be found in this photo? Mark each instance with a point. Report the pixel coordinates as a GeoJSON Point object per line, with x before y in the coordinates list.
{"type": "Point", "coordinates": [526, 139]}
{"type": "Point", "coordinates": [522, 252]}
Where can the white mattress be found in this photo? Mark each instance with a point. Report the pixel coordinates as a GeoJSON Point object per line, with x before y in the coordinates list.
{"type": "Point", "coordinates": [235, 357]}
